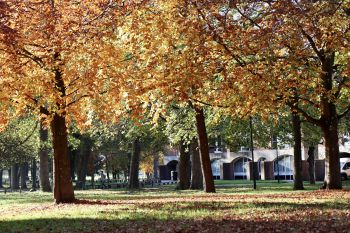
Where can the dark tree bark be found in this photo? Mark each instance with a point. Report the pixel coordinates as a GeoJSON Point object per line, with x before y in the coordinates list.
{"type": "Point", "coordinates": [93, 180]}
{"type": "Point", "coordinates": [107, 169]}
{"type": "Point", "coordinates": [184, 177]}
{"type": "Point", "coordinates": [156, 167]}
{"type": "Point", "coordinates": [196, 170]}
{"type": "Point", "coordinates": [24, 175]}
{"type": "Point", "coordinates": [1, 173]}
{"type": "Point", "coordinates": [134, 165]}
{"type": "Point", "coordinates": [63, 188]}
{"type": "Point", "coordinates": [14, 177]}
{"type": "Point", "coordinates": [83, 157]}
{"type": "Point", "coordinates": [297, 175]}
{"type": "Point", "coordinates": [72, 157]}
{"type": "Point", "coordinates": [332, 164]}
{"type": "Point", "coordinates": [33, 174]}
{"type": "Point", "coordinates": [329, 119]}
{"type": "Point", "coordinates": [311, 162]}
{"type": "Point", "coordinates": [44, 161]}
{"type": "Point", "coordinates": [329, 123]}
{"type": "Point", "coordinates": [208, 183]}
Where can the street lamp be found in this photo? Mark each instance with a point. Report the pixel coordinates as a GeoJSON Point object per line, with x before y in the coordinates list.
{"type": "Point", "coordinates": [252, 150]}
{"type": "Point", "coordinates": [277, 161]}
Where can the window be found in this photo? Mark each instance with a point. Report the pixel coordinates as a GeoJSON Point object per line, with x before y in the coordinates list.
{"type": "Point", "coordinates": [347, 166]}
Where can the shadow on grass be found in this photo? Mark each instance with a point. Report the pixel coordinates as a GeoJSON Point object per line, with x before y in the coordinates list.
{"type": "Point", "coordinates": [224, 205]}
{"type": "Point", "coordinates": [177, 225]}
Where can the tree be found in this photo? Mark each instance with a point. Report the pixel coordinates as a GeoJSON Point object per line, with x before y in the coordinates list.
{"type": "Point", "coordinates": [204, 151]}
{"type": "Point", "coordinates": [82, 157]}
{"type": "Point", "coordinates": [297, 171]}
{"type": "Point", "coordinates": [287, 49]}
{"type": "Point", "coordinates": [56, 57]}
{"type": "Point", "coordinates": [181, 130]}
{"type": "Point", "coordinates": [312, 136]}
{"type": "Point", "coordinates": [169, 43]}
{"type": "Point", "coordinates": [18, 146]}
{"type": "Point", "coordinates": [44, 160]}
{"type": "Point", "coordinates": [184, 167]}
{"type": "Point", "coordinates": [196, 171]}
{"type": "Point", "coordinates": [135, 165]}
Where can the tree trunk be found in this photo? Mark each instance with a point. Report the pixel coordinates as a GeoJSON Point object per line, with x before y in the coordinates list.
{"type": "Point", "coordinates": [44, 161]}
{"type": "Point", "coordinates": [332, 164]}
{"type": "Point", "coordinates": [311, 162]}
{"type": "Point", "coordinates": [208, 183]}
{"type": "Point", "coordinates": [63, 188]}
{"type": "Point", "coordinates": [72, 154]}
{"type": "Point", "coordinates": [84, 152]}
{"type": "Point", "coordinates": [184, 168]}
{"type": "Point", "coordinates": [156, 167]}
{"type": "Point", "coordinates": [1, 173]}
{"type": "Point", "coordinates": [134, 165]}
{"type": "Point", "coordinates": [196, 171]}
{"type": "Point", "coordinates": [33, 174]}
{"type": "Point", "coordinates": [14, 177]}
{"type": "Point", "coordinates": [107, 170]}
{"type": "Point", "coordinates": [23, 175]}
{"type": "Point", "coordinates": [329, 124]}
{"type": "Point", "coordinates": [297, 174]}
{"type": "Point", "coordinates": [93, 180]}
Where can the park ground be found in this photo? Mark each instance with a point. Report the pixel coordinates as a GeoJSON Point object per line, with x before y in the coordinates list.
{"type": "Point", "coordinates": [236, 207]}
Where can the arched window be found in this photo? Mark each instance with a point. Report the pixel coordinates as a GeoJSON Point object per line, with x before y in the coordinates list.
{"type": "Point", "coordinates": [240, 168]}
{"type": "Point", "coordinates": [285, 167]}
{"type": "Point", "coordinates": [215, 167]}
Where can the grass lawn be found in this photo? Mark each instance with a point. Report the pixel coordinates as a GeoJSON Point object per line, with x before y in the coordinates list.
{"type": "Point", "coordinates": [236, 207]}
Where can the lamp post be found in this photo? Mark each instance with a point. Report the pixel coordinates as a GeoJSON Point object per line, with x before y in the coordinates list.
{"type": "Point", "coordinates": [277, 161]}
{"type": "Point", "coordinates": [252, 150]}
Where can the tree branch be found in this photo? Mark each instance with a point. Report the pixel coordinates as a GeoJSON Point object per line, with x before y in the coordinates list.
{"type": "Point", "coordinates": [319, 54]}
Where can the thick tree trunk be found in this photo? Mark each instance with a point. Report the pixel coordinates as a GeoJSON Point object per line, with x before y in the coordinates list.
{"type": "Point", "coordinates": [14, 177]}
{"type": "Point", "coordinates": [63, 188]}
{"type": "Point", "coordinates": [184, 168]}
{"type": "Point", "coordinates": [196, 170]}
{"type": "Point", "coordinates": [329, 124]}
{"type": "Point", "coordinates": [44, 161]}
{"type": "Point", "coordinates": [297, 173]}
{"type": "Point", "coordinates": [311, 162]}
{"type": "Point", "coordinates": [33, 174]}
{"type": "Point", "coordinates": [84, 152]}
{"type": "Point", "coordinates": [24, 175]}
{"type": "Point", "coordinates": [208, 183]}
{"type": "Point", "coordinates": [134, 165]}
{"type": "Point", "coordinates": [1, 173]}
{"type": "Point", "coordinates": [332, 164]}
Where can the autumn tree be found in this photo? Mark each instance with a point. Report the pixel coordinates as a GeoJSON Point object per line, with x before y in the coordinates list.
{"type": "Point", "coordinates": [168, 42]}
{"type": "Point", "coordinates": [284, 51]}
{"type": "Point", "coordinates": [56, 57]}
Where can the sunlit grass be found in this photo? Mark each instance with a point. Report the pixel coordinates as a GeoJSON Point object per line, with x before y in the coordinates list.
{"type": "Point", "coordinates": [159, 209]}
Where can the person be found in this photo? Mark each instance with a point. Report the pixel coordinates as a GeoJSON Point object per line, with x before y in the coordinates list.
{"type": "Point", "coordinates": [103, 180]}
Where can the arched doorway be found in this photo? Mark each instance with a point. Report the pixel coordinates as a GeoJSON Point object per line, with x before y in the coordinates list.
{"type": "Point", "coordinates": [172, 165]}
{"type": "Point", "coordinates": [240, 168]}
{"type": "Point", "coordinates": [285, 167]}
